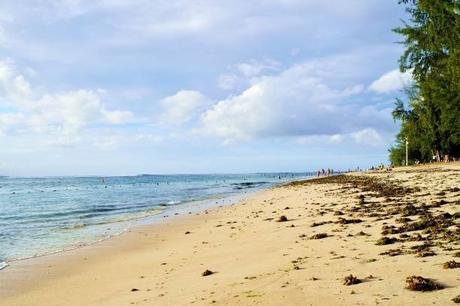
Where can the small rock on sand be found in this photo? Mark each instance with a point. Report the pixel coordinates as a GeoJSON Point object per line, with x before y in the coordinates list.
{"type": "Point", "coordinates": [207, 273]}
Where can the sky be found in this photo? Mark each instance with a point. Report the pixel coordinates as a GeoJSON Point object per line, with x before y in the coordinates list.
{"type": "Point", "coordinates": [123, 87]}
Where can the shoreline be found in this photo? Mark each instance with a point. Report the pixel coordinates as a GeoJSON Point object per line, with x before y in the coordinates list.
{"type": "Point", "coordinates": [163, 263]}
{"type": "Point", "coordinates": [91, 233]}
{"type": "Point", "coordinates": [173, 211]}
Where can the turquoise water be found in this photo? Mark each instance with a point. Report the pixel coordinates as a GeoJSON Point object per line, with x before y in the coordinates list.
{"type": "Point", "coordinates": [43, 215]}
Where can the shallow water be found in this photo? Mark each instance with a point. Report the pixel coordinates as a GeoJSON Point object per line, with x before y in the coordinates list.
{"type": "Point", "coordinates": [44, 215]}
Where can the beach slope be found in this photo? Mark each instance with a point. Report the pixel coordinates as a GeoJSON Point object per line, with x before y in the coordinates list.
{"type": "Point", "coordinates": [289, 245]}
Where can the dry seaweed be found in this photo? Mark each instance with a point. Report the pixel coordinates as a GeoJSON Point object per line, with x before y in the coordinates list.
{"type": "Point", "coordinates": [386, 240]}
{"type": "Point", "coordinates": [451, 265]}
{"type": "Point", "coordinates": [319, 236]}
{"type": "Point", "coordinates": [419, 283]}
{"type": "Point", "coordinates": [351, 280]}
{"type": "Point", "coordinates": [393, 252]}
{"type": "Point", "coordinates": [282, 219]}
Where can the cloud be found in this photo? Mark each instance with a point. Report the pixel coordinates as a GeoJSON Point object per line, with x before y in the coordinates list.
{"type": "Point", "coordinates": [59, 115]}
{"type": "Point", "coordinates": [254, 67]}
{"type": "Point", "coordinates": [367, 136]}
{"type": "Point", "coordinates": [228, 81]}
{"type": "Point", "coordinates": [117, 116]}
{"type": "Point", "coordinates": [182, 107]}
{"type": "Point", "coordinates": [391, 81]}
{"type": "Point", "coordinates": [75, 108]}
{"type": "Point", "coordinates": [295, 102]}
{"type": "Point", "coordinates": [8, 120]}
{"type": "Point", "coordinates": [244, 72]}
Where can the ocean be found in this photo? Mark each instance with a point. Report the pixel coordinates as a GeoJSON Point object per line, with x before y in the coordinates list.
{"type": "Point", "coordinates": [39, 216]}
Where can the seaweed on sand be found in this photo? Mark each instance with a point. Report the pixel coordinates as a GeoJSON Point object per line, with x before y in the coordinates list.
{"type": "Point", "coordinates": [351, 280]}
{"type": "Point", "coordinates": [319, 236]}
{"type": "Point", "coordinates": [393, 252]}
{"type": "Point", "coordinates": [451, 265]}
{"type": "Point", "coordinates": [282, 219]}
{"type": "Point", "coordinates": [386, 240]}
{"type": "Point", "coordinates": [419, 283]}
{"type": "Point", "coordinates": [207, 273]}
{"type": "Point", "coordinates": [348, 221]}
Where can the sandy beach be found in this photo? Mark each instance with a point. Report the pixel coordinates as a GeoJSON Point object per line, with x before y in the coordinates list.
{"type": "Point", "coordinates": [382, 227]}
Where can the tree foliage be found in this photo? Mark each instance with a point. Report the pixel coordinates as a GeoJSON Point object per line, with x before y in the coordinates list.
{"type": "Point", "coordinates": [431, 120]}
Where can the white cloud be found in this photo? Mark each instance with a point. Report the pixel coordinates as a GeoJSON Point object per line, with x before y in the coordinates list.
{"type": "Point", "coordinates": [367, 136]}
{"type": "Point", "coordinates": [149, 138]}
{"type": "Point", "coordinates": [117, 116]}
{"type": "Point", "coordinates": [182, 107]}
{"type": "Point", "coordinates": [244, 73]}
{"type": "Point", "coordinates": [391, 81]}
{"type": "Point", "coordinates": [315, 139]}
{"type": "Point", "coordinates": [14, 88]}
{"type": "Point", "coordinates": [296, 102]}
{"type": "Point", "coordinates": [254, 68]}
{"type": "Point", "coordinates": [364, 137]}
{"type": "Point", "coordinates": [228, 81]}
{"type": "Point", "coordinates": [7, 120]}
{"type": "Point", "coordinates": [58, 115]}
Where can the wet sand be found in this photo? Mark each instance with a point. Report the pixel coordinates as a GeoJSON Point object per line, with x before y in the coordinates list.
{"type": "Point", "coordinates": [381, 227]}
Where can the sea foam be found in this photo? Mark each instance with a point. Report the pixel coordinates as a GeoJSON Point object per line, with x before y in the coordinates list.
{"type": "Point", "coordinates": [3, 265]}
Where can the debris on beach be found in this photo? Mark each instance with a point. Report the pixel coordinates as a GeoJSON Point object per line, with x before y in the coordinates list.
{"type": "Point", "coordinates": [315, 224]}
{"type": "Point", "coordinates": [134, 290]}
{"type": "Point", "coordinates": [386, 240]}
{"type": "Point", "coordinates": [419, 283]}
{"type": "Point", "coordinates": [393, 252]}
{"type": "Point", "coordinates": [451, 265]}
{"type": "Point", "coordinates": [351, 280]}
{"type": "Point", "coordinates": [361, 233]}
{"type": "Point", "coordinates": [348, 221]}
{"type": "Point", "coordinates": [409, 210]}
{"type": "Point", "coordinates": [282, 219]}
{"type": "Point", "coordinates": [319, 236]}
{"type": "Point", "coordinates": [207, 272]}
{"type": "Point", "coordinates": [456, 299]}
{"type": "Point", "coordinates": [425, 253]}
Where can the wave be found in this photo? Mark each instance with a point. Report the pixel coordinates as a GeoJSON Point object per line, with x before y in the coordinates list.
{"type": "Point", "coordinates": [247, 185]}
{"type": "Point", "coordinates": [119, 219]}
{"type": "Point", "coordinates": [79, 213]}
{"type": "Point", "coordinates": [3, 265]}
{"type": "Point", "coordinates": [65, 248]}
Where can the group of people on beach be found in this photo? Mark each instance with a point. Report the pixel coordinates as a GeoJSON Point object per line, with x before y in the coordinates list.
{"type": "Point", "coordinates": [324, 172]}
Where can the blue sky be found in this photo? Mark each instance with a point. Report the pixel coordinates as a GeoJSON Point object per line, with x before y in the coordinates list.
{"type": "Point", "coordinates": [116, 87]}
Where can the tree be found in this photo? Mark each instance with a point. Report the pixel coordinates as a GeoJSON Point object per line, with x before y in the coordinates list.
{"type": "Point", "coordinates": [432, 40]}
